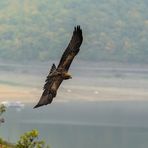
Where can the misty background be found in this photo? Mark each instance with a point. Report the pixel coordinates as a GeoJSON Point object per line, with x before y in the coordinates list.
{"type": "Point", "coordinates": [112, 63]}
{"type": "Point", "coordinates": [114, 30]}
{"type": "Point", "coordinates": [105, 104]}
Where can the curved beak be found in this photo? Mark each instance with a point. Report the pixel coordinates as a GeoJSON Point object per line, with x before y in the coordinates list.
{"type": "Point", "coordinates": [68, 76]}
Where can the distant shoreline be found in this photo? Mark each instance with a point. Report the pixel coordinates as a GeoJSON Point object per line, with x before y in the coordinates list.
{"type": "Point", "coordinates": [93, 82]}
{"type": "Point", "coordinates": [74, 93]}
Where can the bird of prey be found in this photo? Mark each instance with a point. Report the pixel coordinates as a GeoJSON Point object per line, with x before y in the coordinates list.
{"type": "Point", "coordinates": [58, 74]}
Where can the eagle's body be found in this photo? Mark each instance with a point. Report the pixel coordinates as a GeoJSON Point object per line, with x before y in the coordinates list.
{"type": "Point", "coordinates": [57, 75]}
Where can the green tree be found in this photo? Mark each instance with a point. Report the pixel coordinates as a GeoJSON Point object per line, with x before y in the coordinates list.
{"type": "Point", "coordinates": [3, 143]}
{"type": "Point", "coordinates": [30, 140]}
{"type": "Point", "coordinates": [27, 140]}
{"type": "Point", "coordinates": [2, 110]}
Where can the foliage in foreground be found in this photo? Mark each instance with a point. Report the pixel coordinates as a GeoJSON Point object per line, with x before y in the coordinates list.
{"type": "Point", "coordinates": [2, 110]}
{"type": "Point", "coordinates": [27, 140]}
{"type": "Point", "coordinates": [5, 144]}
{"type": "Point", "coordinates": [30, 140]}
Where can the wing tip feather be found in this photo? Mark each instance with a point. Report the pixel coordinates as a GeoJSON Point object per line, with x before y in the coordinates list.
{"type": "Point", "coordinates": [77, 29]}
{"type": "Point", "coordinates": [38, 105]}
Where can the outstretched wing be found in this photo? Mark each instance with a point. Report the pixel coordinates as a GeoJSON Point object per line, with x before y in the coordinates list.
{"type": "Point", "coordinates": [48, 93]}
{"type": "Point", "coordinates": [53, 82]}
{"type": "Point", "coordinates": [45, 99]}
{"type": "Point", "coordinates": [49, 80]}
{"type": "Point", "coordinates": [72, 49]}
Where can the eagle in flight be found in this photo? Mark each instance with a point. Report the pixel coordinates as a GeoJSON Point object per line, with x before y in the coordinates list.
{"type": "Point", "coordinates": [60, 73]}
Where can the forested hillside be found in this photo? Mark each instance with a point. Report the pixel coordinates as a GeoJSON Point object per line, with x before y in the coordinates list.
{"type": "Point", "coordinates": [39, 30]}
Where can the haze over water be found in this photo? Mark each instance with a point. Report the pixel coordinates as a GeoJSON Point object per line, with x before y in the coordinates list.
{"type": "Point", "coordinates": [105, 104]}
{"type": "Point", "coordinates": [78, 124]}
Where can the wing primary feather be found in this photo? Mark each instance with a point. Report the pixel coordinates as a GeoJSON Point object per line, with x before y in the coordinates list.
{"type": "Point", "coordinates": [49, 79]}
{"type": "Point", "coordinates": [52, 68]}
{"type": "Point", "coordinates": [45, 99]}
{"type": "Point", "coordinates": [72, 48]}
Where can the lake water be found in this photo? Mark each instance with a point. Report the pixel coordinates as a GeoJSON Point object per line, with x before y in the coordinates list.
{"type": "Point", "coordinates": [82, 124]}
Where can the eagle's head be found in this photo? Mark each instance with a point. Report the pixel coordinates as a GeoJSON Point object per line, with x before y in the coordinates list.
{"type": "Point", "coordinates": [66, 76]}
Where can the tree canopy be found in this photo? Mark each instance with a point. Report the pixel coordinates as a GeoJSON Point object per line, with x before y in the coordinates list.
{"type": "Point", "coordinates": [38, 30]}
{"type": "Point", "coordinates": [29, 139]}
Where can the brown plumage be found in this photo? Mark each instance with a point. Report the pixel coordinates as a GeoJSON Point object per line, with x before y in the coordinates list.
{"type": "Point", "coordinates": [57, 75]}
